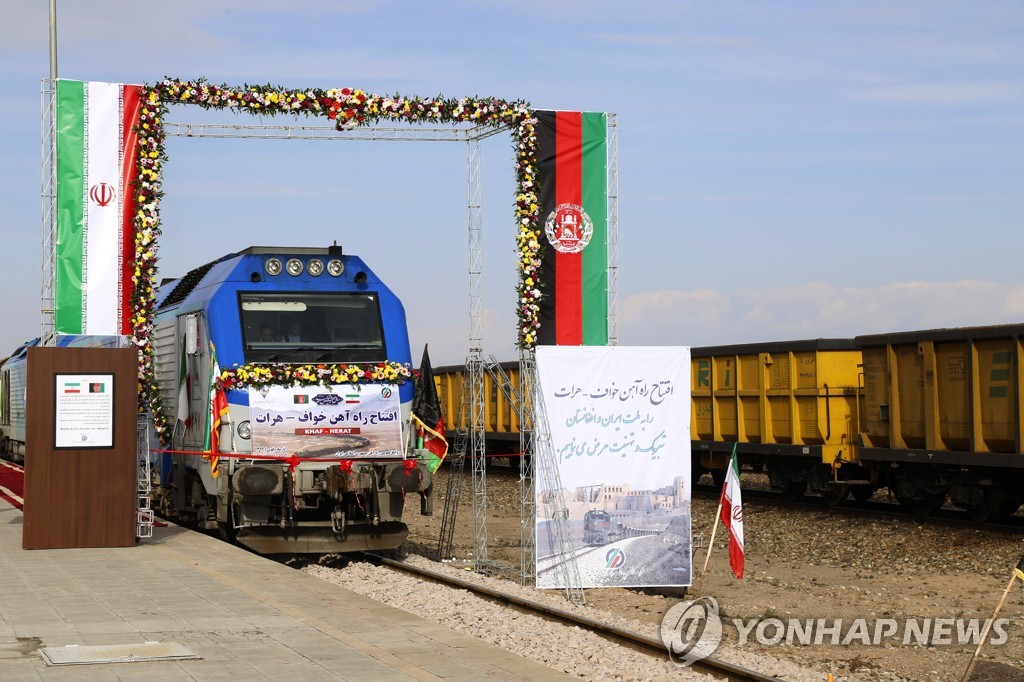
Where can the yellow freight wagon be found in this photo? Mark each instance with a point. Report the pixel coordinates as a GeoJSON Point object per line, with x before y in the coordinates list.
{"type": "Point", "coordinates": [501, 422]}
{"type": "Point", "coordinates": [943, 413]}
{"type": "Point", "coordinates": [790, 407]}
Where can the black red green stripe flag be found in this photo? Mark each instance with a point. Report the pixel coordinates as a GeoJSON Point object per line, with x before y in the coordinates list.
{"type": "Point", "coordinates": [426, 413]}
{"type": "Point", "coordinates": [572, 171]}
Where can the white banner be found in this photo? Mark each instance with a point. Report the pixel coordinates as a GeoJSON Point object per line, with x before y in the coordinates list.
{"type": "Point", "coordinates": [312, 421]}
{"type": "Point", "coordinates": [620, 431]}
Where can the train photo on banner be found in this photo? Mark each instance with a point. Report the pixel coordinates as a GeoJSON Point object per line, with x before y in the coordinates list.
{"type": "Point", "coordinates": [286, 385]}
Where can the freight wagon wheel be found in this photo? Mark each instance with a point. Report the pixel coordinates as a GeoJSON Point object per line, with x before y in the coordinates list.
{"type": "Point", "coordinates": [990, 507]}
{"type": "Point", "coordinates": [718, 476]}
{"type": "Point", "coordinates": [862, 493]}
{"type": "Point", "coordinates": [793, 490]}
{"type": "Point", "coordinates": [834, 495]}
{"type": "Point", "coordinates": [924, 503]}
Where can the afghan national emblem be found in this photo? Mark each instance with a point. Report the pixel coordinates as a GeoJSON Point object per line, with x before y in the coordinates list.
{"type": "Point", "coordinates": [569, 228]}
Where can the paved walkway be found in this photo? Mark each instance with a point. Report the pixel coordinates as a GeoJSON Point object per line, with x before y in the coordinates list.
{"type": "Point", "coordinates": [246, 617]}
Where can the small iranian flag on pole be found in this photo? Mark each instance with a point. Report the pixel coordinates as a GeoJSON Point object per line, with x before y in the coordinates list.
{"type": "Point", "coordinates": [94, 249]}
{"type": "Point", "coordinates": [732, 514]}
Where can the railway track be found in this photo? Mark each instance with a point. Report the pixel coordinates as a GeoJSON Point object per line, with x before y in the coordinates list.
{"type": "Point", "coordinates": [870, 509]}
{"type": "Point", "coordinates": [633, 640]}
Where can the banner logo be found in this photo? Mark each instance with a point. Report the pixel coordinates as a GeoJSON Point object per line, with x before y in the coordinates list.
{"type": "Point", "coordinates": [102, 194]}
{"type": "Point", "coordinates": [569, 228]}
{"type": "Point", "coordinates": [615, 558]}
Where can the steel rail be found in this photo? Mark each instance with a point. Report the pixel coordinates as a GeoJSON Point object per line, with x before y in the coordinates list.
{"type": "Point", "coordinates": [871, 509]}
{"type": "Point", "coordinates": [634, 640]}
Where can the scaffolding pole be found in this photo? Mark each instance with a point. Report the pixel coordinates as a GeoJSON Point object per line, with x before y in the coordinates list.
{"type": "Point", "coordinates": [546, 463]}
{"type": "Point", "coordinates": [48, 102]}
{"type": "Point", "coordinates": [613, 229]}
{"type": "Point", "coordinates": [527, 498]}
{"type": "Point", "coordinates": [453, 491]}
{"type": "Point", "coordinates": [474, 360]}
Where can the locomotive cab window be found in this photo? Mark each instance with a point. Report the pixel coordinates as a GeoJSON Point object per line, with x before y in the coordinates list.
{"type": "Point", "coordinates": [310, 327]}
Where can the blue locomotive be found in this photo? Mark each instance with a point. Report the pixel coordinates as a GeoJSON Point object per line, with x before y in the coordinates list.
{"type": "Point", "coordinates": [318, 336]}
{"type": "Point", "coordinates": [308, 446]}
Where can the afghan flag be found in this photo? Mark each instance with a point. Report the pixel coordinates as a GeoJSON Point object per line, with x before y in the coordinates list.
{"type": "Point", "coordinates": [731, 514]}
{"type": "Point", "coordinates": [95, 244]}
{"type": "Point", "coordinates": [426, 412]}
{"type": "Point", "coordinates": [573, 176]}
{"type": "Point", "coordinates": [217, 414]}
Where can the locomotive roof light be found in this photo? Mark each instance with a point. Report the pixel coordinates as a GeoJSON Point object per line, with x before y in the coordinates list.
{"type": "Point", "coordinates": [335, 267]}
{"type": "Point", "coordinates": [273, 266]}
{"type": "Point", "coordinates": [294, 267]}
{"type": "Point", "coordinates": [315, 267]}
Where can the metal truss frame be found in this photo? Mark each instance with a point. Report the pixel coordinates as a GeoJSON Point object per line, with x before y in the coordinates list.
{"type": "Point", "coordinates": [48, 126]}
{"type": "Point", "coordinates": [475, 362]}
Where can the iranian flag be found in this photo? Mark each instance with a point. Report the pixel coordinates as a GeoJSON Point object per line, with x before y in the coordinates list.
{"type": "Point", "coordinates": [572, 169]}
{"type": "Point", "coordinates": [95, 244]}
{"type": "Point", "coordinates": [732, 514]}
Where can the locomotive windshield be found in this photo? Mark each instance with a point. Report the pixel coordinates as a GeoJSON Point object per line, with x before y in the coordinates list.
{"type": "Point", "coordinates": [303, 327]}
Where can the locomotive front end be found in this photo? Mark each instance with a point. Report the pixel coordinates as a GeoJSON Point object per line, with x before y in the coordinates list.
{"type": "Point", "coordinates": [306, 415]}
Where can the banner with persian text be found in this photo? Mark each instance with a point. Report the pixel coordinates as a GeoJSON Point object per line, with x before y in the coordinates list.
{"type": "Point", "coordinates": [619, 419]}
{"type": "Point", "coordinates": [350, 422]}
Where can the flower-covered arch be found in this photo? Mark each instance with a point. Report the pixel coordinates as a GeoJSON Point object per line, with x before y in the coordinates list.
{"type": "Point", "coordinates": [347, 107]}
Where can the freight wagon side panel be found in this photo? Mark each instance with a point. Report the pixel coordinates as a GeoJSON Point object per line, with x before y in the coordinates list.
{"type": "Point", "coordinates": [797, 398]}
{"type": "Point", "coordinates": [954, 393]}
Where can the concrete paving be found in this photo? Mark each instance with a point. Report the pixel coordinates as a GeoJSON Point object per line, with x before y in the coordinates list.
{"type": "Point", "coordinates": [246, 617]}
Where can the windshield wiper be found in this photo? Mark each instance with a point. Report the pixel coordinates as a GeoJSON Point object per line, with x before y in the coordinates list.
{"type": "Point", "coordinates": [298, 349]}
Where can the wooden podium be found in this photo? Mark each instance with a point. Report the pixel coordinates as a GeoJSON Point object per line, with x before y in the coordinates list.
{"type": "Point", "coordinates": [80, 448]}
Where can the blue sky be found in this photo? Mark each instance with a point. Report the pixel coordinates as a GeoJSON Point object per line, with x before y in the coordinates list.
{"type": "Point", "coordinates": [787, 170]}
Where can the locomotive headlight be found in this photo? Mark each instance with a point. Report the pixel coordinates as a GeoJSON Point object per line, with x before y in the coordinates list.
{"type": "Point", "coordinates": [315, 267]}
{"type": "Point", "coordinates": [273, 266]}
{"type": "Point", "coordinates": [244, 430]}
{"type": "Point", "coordinates": [294, 267]}
{"type": "Point", "coordinates": [335, 267]}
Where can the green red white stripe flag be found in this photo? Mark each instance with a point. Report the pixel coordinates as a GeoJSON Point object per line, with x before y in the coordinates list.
{"type": "Point", "coordinates": [95, 244]}
{"type": "Point", "coordinates": [572, 170]}
{"type": "Point", "coordinates": [732, 514]}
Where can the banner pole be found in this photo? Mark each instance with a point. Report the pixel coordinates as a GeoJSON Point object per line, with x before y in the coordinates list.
{"type": "Point", "coordinates": [711, 545]}
{"type": "Point", "coordinates": [988, 626]}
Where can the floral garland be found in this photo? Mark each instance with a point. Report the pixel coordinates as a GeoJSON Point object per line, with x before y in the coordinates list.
{"type": "Point", "coordinates": [313, 375]}
{"type": "Point", "coordinates": [348, 107]}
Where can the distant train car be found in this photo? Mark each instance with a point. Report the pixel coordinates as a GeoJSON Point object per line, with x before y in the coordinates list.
{"type": "Point", "coordinates": [501, 420]}
{"type": "Point", "coordinates": [789, 407]}
{"type": "Point", "coordinates": [13, 372]}
{"type": "Point", "coordinates": [943, 413]}
{"type": "Point", "coordinates": [598, 528]}
{"type": "Point", "coordinates": [930, 415]}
